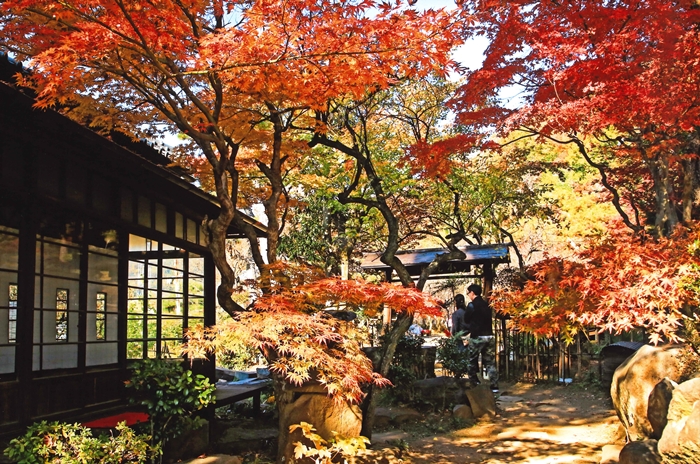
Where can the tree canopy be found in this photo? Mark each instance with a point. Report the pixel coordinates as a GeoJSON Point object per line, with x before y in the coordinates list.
{"type": "Point", "coordinates": [622, 75]}
{"type": "Point", "coordinates": [235, 77]}
{"type": "Point", "coordinates": [618, 81]}
{"type": "Point", "coordinates": [346, 100]}
{"type": "Point", "coordinates": [243, 81]}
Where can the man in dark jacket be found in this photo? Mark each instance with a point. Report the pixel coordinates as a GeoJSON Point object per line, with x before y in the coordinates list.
{"type": "Point", "coordinates": [479, 317]}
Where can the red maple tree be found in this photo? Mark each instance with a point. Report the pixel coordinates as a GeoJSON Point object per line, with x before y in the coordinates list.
{"type": "Point", "coordinates": [236, 77]}
{"type": "Point", "coordinates": [303, 343]}
{"type": "Point", "coordinates": [616, 283]}
{"type": "Point", "coordinates": [619, 80]}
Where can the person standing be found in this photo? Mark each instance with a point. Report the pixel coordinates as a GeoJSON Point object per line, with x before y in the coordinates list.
{"type": "Point", "coordinates": [458, 324]}
{"type": "Point", "coordinates": [479, 317]}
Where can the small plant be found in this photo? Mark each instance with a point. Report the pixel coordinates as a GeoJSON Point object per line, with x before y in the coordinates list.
{"type": "Point", "coordinates": [453, 356]}
{"type": "Point", "coordinates": [404, 369]}
{"type": "Point", "coordinates": [326, 452]}
{"type": "Point", "coordinates": [399, 443]}
{"type": "Point", "coordinates": [171, 395]}
{"type": "Point", "coordinates": [589, 379]}
{"type": "Point", "coordinates": [63, 443]}
{"type": "Point", "coordinates": [401, 446]}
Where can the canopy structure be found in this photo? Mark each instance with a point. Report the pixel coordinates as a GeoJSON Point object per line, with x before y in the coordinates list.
{"type": "Point", "coordinates": [485, 256]}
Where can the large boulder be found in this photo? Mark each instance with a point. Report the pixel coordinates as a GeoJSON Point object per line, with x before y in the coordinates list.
{"type": "Point", "coordinates": [691, 430]}
{"type": "Point", "coordinates": [680, 441]}
{"type": "Point", "coordinates": [640, 452]}
{"type": "Point", "coordinates": [657, 411]}
{"type": "Point", "coordinates": [481, 401]}
{"type": "Point", "coordinates": [612, 356]}
{"type": "Point", "coordinates": [463, 412]}
{"type": "Point", "coordinates": [635, 379]}
{"type": "Point", "coordinates": [310, 403]}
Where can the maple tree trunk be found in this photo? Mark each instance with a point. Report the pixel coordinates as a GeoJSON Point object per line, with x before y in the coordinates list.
{"type": "Point", "coordinates": [514, 246]}
{"type": "Point", "coordinates": [666, 216]}
{"type": "Point", "coordinates": [403, 321]}
{"type": "Point", "coordinates": [689, 185]}
{"type": "Point", "coordinates": [217, 247]}
{"type": "Point", "coordinates": [216, 230]}
{"type": "Point", "coordinates": [369, 406]}
{"type": "Point", "coordinates": [273, 172]}
{"type": "Point", "coordinates": [601, 168]}
{"type": "Point", "coordinates": [365, 165]}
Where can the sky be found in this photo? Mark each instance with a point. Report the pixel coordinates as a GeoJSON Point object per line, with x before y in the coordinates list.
{"type": "Point", "coordinates": [469, 55]}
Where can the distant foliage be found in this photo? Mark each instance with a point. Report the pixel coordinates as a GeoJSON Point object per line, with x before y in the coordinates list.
{"type": "Point", "coordinates": [317, 233]}
{"type": "Point", "coordinates": [239, 357]}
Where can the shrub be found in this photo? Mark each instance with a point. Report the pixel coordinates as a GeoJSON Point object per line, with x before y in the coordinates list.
{"type": "Point", "coordinates": [405, 366]}
{"type": "Point", "coordinates": [62, 443]}
{"type": "Point", "coordinates": [453, 356]}
{"type": "Point", "coordinates": [171, 395]}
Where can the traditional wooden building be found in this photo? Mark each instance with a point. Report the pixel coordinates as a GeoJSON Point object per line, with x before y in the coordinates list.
{"type": "Point", "coordinates": [102, 261]}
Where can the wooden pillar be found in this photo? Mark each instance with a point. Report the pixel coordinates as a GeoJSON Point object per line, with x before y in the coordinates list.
{"type": "Point", "coordinates": [209, 368]}
{"type": "Point", "coordinates": [386, 313]}
{"type": "Point", "coordinates": [502, 336]}
{"type": "Point", "coordinates": [488, 279]}
{"type": "Point", "coordinates": [345, 267]}
{"type": "Point", "coordinates": [25, 315]}
{"type": "Point", "coordinates": [123, 300]}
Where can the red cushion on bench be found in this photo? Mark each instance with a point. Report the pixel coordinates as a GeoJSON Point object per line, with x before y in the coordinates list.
{"type": "Point", "coordinates": [109, 422]}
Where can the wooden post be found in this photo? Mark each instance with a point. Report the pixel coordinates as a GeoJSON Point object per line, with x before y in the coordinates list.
{"type": "Point", "coordinates": [386, 313]}
{"type": "Point", "coordinates": [488, 279]}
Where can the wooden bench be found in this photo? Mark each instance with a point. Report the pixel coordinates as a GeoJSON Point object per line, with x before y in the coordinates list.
{"type": "Point", "coordinates": [230, 393]}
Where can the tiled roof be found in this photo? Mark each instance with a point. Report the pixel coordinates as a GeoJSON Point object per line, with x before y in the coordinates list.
{"type": "Point", "coordinates": [475, 254]}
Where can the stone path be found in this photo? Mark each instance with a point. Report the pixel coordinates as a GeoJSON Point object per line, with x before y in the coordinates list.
{"type": "Point", "coordinates": [543, 425]}
{"type": "Point", "coordinates": [536, 425]}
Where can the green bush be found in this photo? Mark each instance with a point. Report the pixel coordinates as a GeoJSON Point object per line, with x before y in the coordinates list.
{"type": "Point", "coordinates": [171, 395]}
{"type": "Point", "coordinates": [453, 357]}
{"type": "Point", "coordinates": [589, 379]}
{"type": "Point", "coordinates": [405, 366]}
{"type": "Point", "coordinates": [62, 443]}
